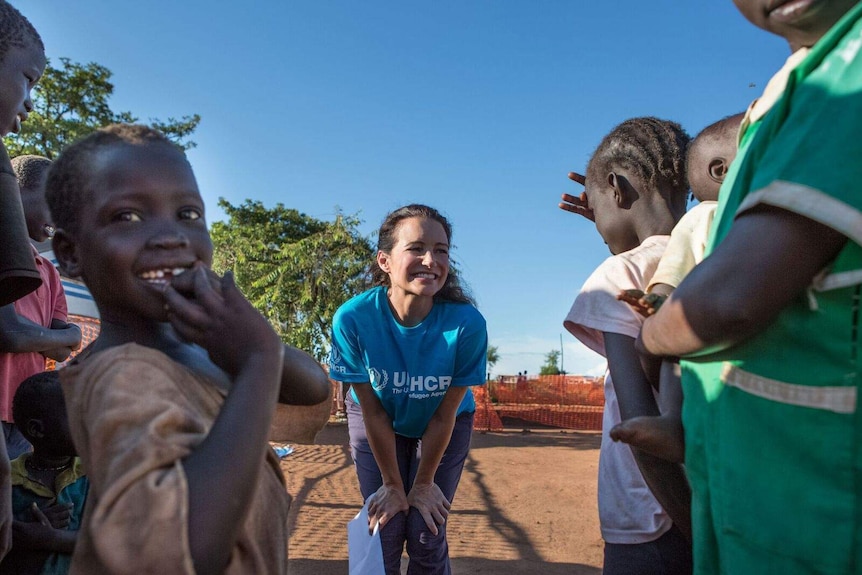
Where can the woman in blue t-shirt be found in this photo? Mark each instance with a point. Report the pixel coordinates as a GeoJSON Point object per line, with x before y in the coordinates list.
{"type": "Point", "coordinates": [411, 347]}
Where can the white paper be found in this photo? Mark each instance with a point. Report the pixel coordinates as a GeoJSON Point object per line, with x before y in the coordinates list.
{"type": "Point", "coordinates": [364, 551]}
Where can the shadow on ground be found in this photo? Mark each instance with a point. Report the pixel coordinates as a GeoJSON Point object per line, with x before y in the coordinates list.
{"type": "Point", "coordinates": [537, 437]}
{"type": "Point", "coordinates": [460, 566]}
{"type": "Point", "coordinates": [516, 510]}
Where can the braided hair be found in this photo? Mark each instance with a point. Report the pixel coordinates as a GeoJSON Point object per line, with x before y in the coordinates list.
{"type": "Point", "coordinates": [15, 30]}
{"type": "Point", "coordinates": [68, 183]}
{"type": "Point", "coordinates": [387, 236]}
{"type": "Point", "coordinates": [654, 149]}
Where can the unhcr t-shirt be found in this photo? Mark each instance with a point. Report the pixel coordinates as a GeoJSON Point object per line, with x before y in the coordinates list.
{"type": "Point", "coordinates": [410, 368]}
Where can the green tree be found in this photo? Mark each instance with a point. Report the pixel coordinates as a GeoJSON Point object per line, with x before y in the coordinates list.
{"type": "Point", "coordinates": [71, 101]}
{"type": "Point", "coordinates": [552, 361]}
{"type": "Point", "coordinates": [295, 269]}
{"type": "Point", "coordinates": [493, 356]}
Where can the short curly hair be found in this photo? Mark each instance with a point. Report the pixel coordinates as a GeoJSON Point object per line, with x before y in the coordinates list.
{"type": "Point", "coordinates": [655, 149]}
{"type": "Point", "coordinates": [67, 186]}
{"type": "Point", "coordinates": [724, 130]}
{"type": "Point", "coordinates": [15, 30]}
{"type": "Point", "coordinates": [30, 170]}
{"type": "Point", "coordinates": [37, 396]}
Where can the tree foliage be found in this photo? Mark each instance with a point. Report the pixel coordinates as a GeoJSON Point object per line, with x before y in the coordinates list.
{"type": "Point", "coordinates": [295, 269]}
{"type": "Point", "coordinates": [552, 361]}
{"type": "Point", "coordinates": [71, 101]}
{"type": "Point", "coordinates": [493, 356]}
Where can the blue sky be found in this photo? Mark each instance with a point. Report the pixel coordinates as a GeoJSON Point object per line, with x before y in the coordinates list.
{"type": "Point", "coordinates": [479, 108]}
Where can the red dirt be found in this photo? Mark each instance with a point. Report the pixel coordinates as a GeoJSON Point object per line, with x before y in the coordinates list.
{"type": "Point", "coordinates": [526, 504]}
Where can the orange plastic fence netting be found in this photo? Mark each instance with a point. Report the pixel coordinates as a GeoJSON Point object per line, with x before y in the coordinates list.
{"type": "Point", "coordinates": [564, 401]}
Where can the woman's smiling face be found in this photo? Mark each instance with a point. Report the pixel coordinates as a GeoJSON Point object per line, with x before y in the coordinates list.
{"type": "Point", "coordinates": [418, 263]}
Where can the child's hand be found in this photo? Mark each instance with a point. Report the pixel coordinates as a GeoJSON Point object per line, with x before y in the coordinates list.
{"type": "Point", "coordinates": [634, 297]}
{"type": "Point", "coordinates": [58, 515]}
{"type": "Point", "coordinates": [40, 534]}
{"type": "Point", "coordinates": [36, 534]}
{"type": "Point", "coordinates": [217, 317]}
{"type": "Point", "coordinates": [653, 301]}
{"type": "Point", "coordinates": [644, 304]}
{"type": "Point", "coordinates": [58, 353]}
{"type": "Point", "coordinates": [185, 282]}
{"type": "Point", "coordinates": [577, 204]}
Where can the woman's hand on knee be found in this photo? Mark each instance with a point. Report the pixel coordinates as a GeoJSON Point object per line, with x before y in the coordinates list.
{"type": "Point", "coordinates": [386, 503]}
{"type": "Point", "coordinates": [431, 504]}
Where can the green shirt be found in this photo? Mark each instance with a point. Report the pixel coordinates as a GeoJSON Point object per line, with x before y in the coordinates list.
{"type": "Point", "coordinates": [773, 435]}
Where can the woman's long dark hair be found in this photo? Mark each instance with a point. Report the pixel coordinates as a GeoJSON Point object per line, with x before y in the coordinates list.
{"type": "Point", "coordinates": [386, 237]}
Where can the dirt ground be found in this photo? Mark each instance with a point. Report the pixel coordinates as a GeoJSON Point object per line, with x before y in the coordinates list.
{"type": "Point", "coordinates": [526, 504]}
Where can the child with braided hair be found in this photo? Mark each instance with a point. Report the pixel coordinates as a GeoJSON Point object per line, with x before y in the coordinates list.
{"type": "Point", "coordinates": [635, 190]}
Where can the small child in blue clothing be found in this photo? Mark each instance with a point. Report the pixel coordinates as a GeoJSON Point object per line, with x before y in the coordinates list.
{"type": "Point", "coordinates": [49, 487]}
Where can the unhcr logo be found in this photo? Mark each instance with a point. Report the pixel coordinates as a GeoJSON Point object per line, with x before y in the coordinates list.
{"type": "Point", "coordinates": [422, 382]}
{"type": "Point", "coordinates": [378, 380]}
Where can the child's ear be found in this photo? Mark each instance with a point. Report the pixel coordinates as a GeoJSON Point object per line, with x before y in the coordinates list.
{"type": "Point", "coordinates": [623, 191]}
{"type": "Point", "coordinates": [717, 169]}
{"type": "Point", "coordinates": [383, 261]}
{"type": "Point", "coordinates": [66, 253]}
{"type": "Point", "coordinates": [34, 428]}
{"type": "Point", "coordinates": [616, 188]}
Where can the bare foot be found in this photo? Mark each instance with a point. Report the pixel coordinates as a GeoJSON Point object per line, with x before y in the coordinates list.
{"type": "Point", "coordinates": [661, 436]}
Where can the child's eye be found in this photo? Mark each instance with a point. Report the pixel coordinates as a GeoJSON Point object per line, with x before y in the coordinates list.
{"type": "Point", "coordinates": [190, 214]}
{"type": "Point", "coordinates": [443, 251]}
{"type": "Point", "coordinates": [126, 217]}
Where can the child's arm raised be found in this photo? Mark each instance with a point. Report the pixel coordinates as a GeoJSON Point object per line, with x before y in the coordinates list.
{"type": "Point", "coordinates": [241, 342]}
{"type": "Point", "coordinates": [769, 257]}
{"type": "Point", "coordinates": [577, 204]}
